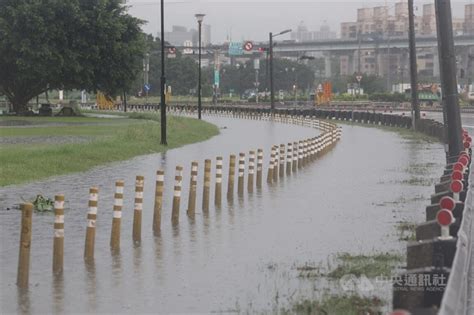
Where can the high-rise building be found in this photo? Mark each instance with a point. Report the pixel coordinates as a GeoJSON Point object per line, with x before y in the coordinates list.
{"type": "Point", "coordinates": [377, 23]}
{"type": "Point", "coordinates": [180, 34]}
{"type": "Point", "coordinates": [469, 19]}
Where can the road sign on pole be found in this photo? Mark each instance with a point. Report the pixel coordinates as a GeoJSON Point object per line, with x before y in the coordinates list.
{"type": "Point", "coordinates": [359, 78]}
{"type": "Point", "coordinates": [216, 78]}
{"type": "Point", "coordinates": [235, 49]}
{"type": "Point", "coordinates": [147, 87]}
{"type": "Point", "coordinates": [248, 46]}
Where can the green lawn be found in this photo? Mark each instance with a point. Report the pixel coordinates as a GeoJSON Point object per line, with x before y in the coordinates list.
{"type": "Point", "coordinates": [111, 140]}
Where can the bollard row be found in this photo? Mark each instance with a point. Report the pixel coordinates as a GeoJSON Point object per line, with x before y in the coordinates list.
{"type": "Point", "coordinates": [284, 160]}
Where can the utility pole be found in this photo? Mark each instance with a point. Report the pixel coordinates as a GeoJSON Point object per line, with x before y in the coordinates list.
{"type": "Point", "coordinates": [272, 96]}
{"type": "Point", "coordinates": [413, 66]}
{"type": "Point", "coordinates": [163, 79]}
{"type": "Point", "coordinates": [447, 61]}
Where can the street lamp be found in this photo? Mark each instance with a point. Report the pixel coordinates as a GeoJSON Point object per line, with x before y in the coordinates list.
{"type": "Point", "coordinates": [163, 79]}
{"type": "Point", "coordinates": [270, 49]}
{"type": "Point", "coordinates": [199, 18]}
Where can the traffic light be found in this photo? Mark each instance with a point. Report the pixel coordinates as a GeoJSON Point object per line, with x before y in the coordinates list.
{"type": "Point", "coordinates": [262, 49]}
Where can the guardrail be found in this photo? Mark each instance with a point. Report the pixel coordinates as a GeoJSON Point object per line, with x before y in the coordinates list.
{"type": "Point", "coordinates": [459, 294]}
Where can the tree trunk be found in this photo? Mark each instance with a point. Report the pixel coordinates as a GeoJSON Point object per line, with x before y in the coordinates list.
{"type": "Point", "coordinates": [20, 105]}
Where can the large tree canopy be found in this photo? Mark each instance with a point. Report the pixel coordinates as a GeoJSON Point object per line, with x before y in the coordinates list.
{"type": "Point", "coordinates": [67, 44]}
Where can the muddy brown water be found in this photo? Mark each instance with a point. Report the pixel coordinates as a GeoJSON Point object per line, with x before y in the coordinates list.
{"type": "Point", "coordinates": [240, 258]}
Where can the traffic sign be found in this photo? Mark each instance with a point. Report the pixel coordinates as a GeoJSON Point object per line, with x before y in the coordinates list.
{"type": "Point", "coordinates": [235, 49]}
{"type": "Point", "coordinates": [147, 87]}
{"type": "Point", "coordinates": [358, 78]}
{"type": "Point", "coordinates": [216, 78]}
{"type": "Point", "coordinates": [248, 46]}
{"type": "Point", "coordinates": [172, 50]}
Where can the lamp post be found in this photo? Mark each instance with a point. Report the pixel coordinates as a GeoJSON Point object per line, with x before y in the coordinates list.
{"type": "Point", "coordinates": [163, 79]}
{"type": "Point", "coordinates": [270, 49]}
{"type": "Point", "coordinates": [199, 18]}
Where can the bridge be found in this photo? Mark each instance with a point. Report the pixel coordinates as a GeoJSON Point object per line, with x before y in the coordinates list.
{"type": "Point", "coordinates": [342, 45]}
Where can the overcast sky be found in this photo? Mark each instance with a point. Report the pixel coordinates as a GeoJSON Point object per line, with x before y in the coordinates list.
{"type": "Point", "coordinates": [247, 19]}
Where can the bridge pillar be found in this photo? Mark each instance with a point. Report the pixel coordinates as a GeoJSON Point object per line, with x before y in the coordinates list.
{"type": "Point", "coordinates": [327, 65]}
{"type": "Point", "coordinates": [436, 73]}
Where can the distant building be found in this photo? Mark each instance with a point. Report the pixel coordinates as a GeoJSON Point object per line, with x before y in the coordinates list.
{"type": "Point", "coordinates": [302, 34]}
{"type": "Point", "coordinates": [180, 34]}
{"type": "Point", "coordinates": [469, 19]}
{"type": "Point", "coordinates": [378, 23]}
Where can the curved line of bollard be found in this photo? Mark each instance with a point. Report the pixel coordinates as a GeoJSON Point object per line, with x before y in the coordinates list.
{"type": "Point", "coordinates": [284, 160]}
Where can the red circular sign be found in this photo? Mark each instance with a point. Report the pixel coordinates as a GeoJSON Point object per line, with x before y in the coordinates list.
{"type": "Point", "coordinates": [469, 139]}
{"type": "Point", "coordinates": [467, 145]}
{"type": "Point", "coordinates": [456, 186]}
{"type": "Point", "coordinates": [248, 46]}
{"type": "Point", "coordinates": [458, 167]}
{"type": "Point", "coordinates": [444, 217]}
{"type": "Point", "coordinates": [172, 50]}
{"type": "Point", "coordinates": [447, 203]}
{"type": "Point", "coordinates": [464, 160]}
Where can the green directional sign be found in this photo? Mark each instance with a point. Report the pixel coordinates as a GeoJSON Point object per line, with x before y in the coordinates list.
{"type": "Point", "coordinates": [216, 78]}
{"type": "Point", "coordinates": [235, 49]}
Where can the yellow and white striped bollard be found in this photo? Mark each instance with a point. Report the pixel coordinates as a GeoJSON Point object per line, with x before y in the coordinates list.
{"type": "Point", "coordinates": [250, 182]}
{"type": "Point", "coordinates": [240, 187]}
{"type": "Point", "coordinates": [137, 213]}
{"type": "Point", "coordinates": [117, 217]}
{"type": "Point", "coordinates": [207, 185]}
{"type": "Point", "coordinates": [91, 223]}
{"type": "Point", "coordinates": [58, 245]}
{"type": "Point", "coordinates": [159, 187]}
{"type": "Point", "coordinates": [177, 195]}
{"type": "Point", "coordinates": [192, 189]}
{"type": "Point", "coordinates": [218, 189]}
{"type": "Point", "coordinates": [259, 167]}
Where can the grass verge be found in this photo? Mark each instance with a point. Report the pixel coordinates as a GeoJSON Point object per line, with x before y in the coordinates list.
{"type": "Point", "coordinates": [116, 140]}
{"type": "Point", "coordinates": [337, 305]}
{"type": "Point", "coordinates": [371, 266]}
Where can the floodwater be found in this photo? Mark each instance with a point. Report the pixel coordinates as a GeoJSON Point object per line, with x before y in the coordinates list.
{"type": "Point", "coordinates": [240, 258]}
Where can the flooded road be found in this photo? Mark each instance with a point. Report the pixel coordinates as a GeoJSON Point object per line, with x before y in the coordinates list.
{"type": "Point", "coordinates": [240, 258]}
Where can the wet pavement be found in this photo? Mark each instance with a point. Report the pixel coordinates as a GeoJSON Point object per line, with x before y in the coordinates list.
{"type": "Point", "coordinates": [240, 258]}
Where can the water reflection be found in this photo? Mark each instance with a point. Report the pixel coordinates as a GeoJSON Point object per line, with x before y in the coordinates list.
{"type": "Point", "coordinates": [58, 293]}
{"type": "Point", "coordinates": [91, 284]}
{"type": "Point", "coordinates": [23, 299]}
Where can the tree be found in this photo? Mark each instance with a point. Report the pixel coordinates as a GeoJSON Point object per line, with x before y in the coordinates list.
{"type": "Point", "coordinates": [67, 44]}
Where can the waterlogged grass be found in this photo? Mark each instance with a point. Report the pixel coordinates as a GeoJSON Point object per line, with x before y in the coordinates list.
{"type": "Point", "coordinates": [406, 231]}
{"type": "Point", "coordinates": [337, 305]}
{"type": "Point", "coordinates": [111, 142]}
{"type": "Point", "coordinates": [371, 266]}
